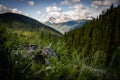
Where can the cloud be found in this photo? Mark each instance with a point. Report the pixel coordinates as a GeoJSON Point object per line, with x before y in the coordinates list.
{"type": "Point", "coordinates": [4, 9]}
{"type": "Point", "coordinates": [68, 2]}
{"type": "Point", "coordinates": [31, 3]}
{"type": "Point", "coordinates": [78, 7]}
{"type": "Point", "coordinates": [42, 18]}
{"type": "Point", "coordinates": [75, 1]}
{"type": "Point", "coordinates": [54, 13]}
{"type": "Point", "coordinates": [65, 2]}
{"type": "Point", "coordinates": [104, 3]}
{"type": "Point", "coordinates": [15, 10]}
{"type": "Point", "coordinates": [53, 9]}
{"type": "Point", "coordinates": [77, 11]}
{"type": "Point", "coordinates": [26, 14]}
{"type": "Point", "coordinates": [39, 13]}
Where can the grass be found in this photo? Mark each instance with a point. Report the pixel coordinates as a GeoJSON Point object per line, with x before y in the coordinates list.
{"type": "Point", "coordinates": [65, 65]}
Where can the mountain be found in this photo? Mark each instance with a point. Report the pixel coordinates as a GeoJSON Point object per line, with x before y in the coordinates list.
{"type": "Point", "coordinates": [18, 21]}
{"type": "Point", "coordinates": [67, 26]}
{"type": "Point", "coordinates": [101, 33]}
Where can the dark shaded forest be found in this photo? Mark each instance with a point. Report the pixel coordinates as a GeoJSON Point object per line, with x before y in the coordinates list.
{"type": "Point", "coordinates": [99, 37]}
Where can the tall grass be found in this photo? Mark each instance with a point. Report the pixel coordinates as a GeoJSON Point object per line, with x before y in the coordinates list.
{"type": "Point", "coordinates": [62, 66]}
{"type": "Point", "coordinates": [67, 64]}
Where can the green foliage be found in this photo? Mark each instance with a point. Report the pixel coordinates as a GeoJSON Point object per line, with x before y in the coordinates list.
{"type": "Point", "coordinates": [4, 54]}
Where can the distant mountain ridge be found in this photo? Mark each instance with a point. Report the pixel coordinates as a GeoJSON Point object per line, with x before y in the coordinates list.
{"type": "Point", "coordinates": [67, 26]}
{"type": "Point", "coordinates": [21, 21]}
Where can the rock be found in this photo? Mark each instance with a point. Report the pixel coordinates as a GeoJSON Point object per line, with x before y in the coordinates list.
{"type": "Point", "coordinates": [24, 46]}
{"type": "Point", "coordinates": [29, 46]}
{"type": "Point", "coordinates": [26, 55]}
{"type": "Point", "coordinates": [38, 58]}
{"type": "Point", "coordinates": [33, 46]}
{"type": "Point", "coordinates": [49, 52]}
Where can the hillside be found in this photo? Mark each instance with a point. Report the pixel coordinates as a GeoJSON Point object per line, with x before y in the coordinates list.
{"type": "Point", "coordinates": [17, 21]}
{"type": "Point", "coordinates": [100, 34]}
{"type": "Point", "coordinates": [99, 38]}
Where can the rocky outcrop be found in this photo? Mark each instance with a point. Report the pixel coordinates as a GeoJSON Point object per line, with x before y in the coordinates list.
{"type": "Point", "coordinates": [38, 58]}
{"type": "Point", "coordinates": [48, 51]}
{"type": "Point", "coordinates": [37, 53]}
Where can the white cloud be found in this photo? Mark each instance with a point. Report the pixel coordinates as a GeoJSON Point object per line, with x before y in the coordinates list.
{"type": "Point", "coordinates": [13, 10]}
{"type": "Point", "coordinates": [65, 2]}
{"type": "Point", "coordinates": [75, 1]}
{"type": "Point", "coordinates": [43, 18]}
{"type": "Point", "coordinates": [68, 2]}
{"type": "Point", "coordinates": [39, 13]}
{"type": "Point", "coordinates": [31, 3]}
{"type": "Point", "coordinates": [97, 3]}
{"type": "Point", "coordinates": [4, 9]}
{"type": "Point", "coordinates": [104, 3]}
{"type": "Point", "coordinates": [53, 9]}
{"type": "Point", "coordinates": [94, 6]}
{"type": "Point", "coordinates": [77, 11]}
{"type": "Point", "coordinates": [26, 14]}
{"type": "Point", "coordinates": [56, 14]}
{"type": "Point", "coordinates": [79, 7]}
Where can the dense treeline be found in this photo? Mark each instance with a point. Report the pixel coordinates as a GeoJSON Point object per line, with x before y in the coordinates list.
{"type": "Point", "coordinates": [100, 37]}
{"type": "Point", "coordinates": [98, 34]}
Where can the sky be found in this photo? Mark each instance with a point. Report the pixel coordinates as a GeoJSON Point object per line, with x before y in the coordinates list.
{"type": "Point", "coordinates": [57, 10]}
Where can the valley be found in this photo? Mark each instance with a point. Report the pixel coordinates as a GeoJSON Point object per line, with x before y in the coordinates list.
{"type": "Point", "coordinates": [66, 26]}
{"type": "Point", "coordinates": [73, 50]}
